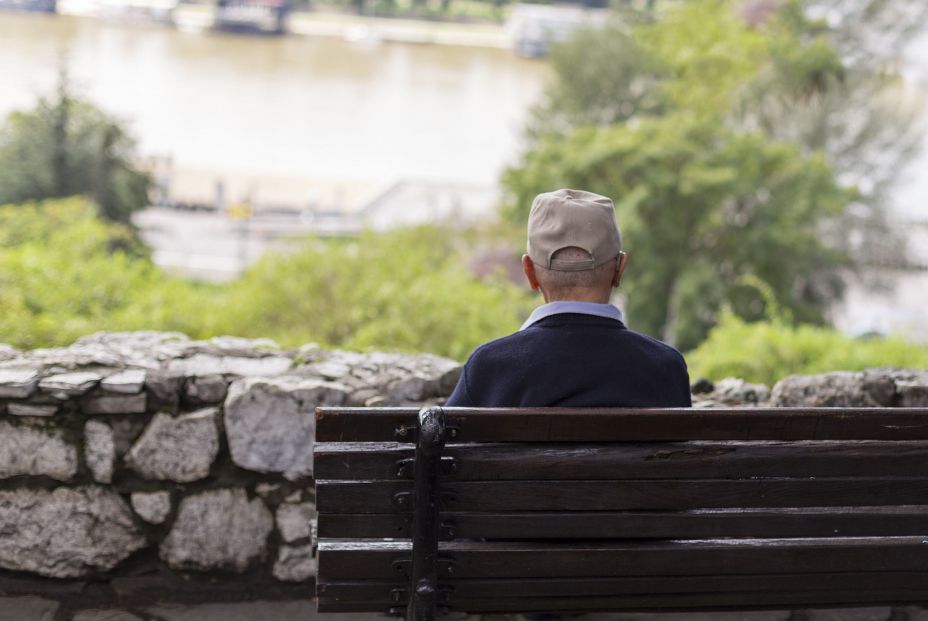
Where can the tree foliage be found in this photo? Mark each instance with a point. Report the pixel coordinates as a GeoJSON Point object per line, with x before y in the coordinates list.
{"type": "Point", "coordinates": [700, 207]}
{"type": "Point", "coordinates": [64, 273]}
{"type": "Point", "coordinates": [734, 144]}
{"type": "Point", "coordinates": [840, 93]}
{"type": "Point", "coordinates": [404, 290]}
{"type": "Point", "coordinates": [66, 146]}
{"type": "Point", "coordinates": [767, 351]}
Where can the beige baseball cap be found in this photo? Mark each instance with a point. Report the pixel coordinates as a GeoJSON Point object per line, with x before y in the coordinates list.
{"type": "Point", "coordinates": [566, 218]}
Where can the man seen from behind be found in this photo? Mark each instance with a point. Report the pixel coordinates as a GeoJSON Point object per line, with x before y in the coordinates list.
{"type": "Point", "coordinates": [575, 350]}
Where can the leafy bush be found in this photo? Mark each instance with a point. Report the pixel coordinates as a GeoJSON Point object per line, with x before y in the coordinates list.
{"type": "Point", "coordinates": [766, 351]}
{"type": "Point", "coordinates": [405, 290]}
{"type": "Point", "coordinates": [65, 273]}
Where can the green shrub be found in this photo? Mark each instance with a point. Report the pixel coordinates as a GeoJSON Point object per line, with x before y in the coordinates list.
{"type": "Point", "coordinates": [406, 290]}
{"type": "Point", "coordinates": [65, 273]}
{"type": "Point", "coordinates": [767, 351]}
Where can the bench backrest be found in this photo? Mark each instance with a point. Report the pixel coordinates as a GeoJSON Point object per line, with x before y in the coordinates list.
{"type": "Point", "coordinates": [616, 509]}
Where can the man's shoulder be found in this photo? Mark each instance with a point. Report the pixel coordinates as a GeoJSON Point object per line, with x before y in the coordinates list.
{"type": "Point", "coordinates": [530, 341]}
{"type": "Point", "coordinates": [657, 346]}
{"type": "Point", "coordinates": [500, 347]}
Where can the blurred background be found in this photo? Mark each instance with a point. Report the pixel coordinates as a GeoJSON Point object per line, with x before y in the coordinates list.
{"type": "Point", "coordinates": [357, 173]}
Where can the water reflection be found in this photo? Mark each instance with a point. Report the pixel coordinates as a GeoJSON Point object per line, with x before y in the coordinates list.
{"type": "Point", "coordinates": [318, 107]}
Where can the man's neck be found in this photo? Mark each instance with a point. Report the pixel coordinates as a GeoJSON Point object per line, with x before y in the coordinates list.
{"type": "Point", "coordinates": [594, 297]}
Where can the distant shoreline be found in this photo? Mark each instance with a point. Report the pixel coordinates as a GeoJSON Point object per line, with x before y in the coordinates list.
{"type": "Point", "coordinates": [360, 29]}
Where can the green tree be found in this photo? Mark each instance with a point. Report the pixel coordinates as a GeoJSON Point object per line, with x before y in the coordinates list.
{"type": "Point", "coordinates": [820, 73]}
{"type": "Point", "coordinates": [65, 273]}
{"type": "Point", "coordinates": [839, 92]}
{"type": "Point", "coordinates": [403, 290]}
{"type": "Point", "coordinates": [66, 146]}
{"type": "Point", "coordinates": [701, 206]}
{"type": "Point", "coordinates": [603, 76]}
{"type": "Point", "coordinates": [771, 103]}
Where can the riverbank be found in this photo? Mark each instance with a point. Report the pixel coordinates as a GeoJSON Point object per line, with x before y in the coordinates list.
{"type": "Point", "coordinates": [374, 29]}
{"type": "Point", "coordinates": [355, 28]}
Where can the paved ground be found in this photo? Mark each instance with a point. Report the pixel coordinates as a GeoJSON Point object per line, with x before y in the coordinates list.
{"type": "Point", "coordinates": [38, 609]}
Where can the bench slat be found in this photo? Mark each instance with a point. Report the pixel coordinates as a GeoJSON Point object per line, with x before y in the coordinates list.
{"type": "Point", "coordinates": [493, 496]}
{"type": "Point", "coordinates": [658, 460]}
{"type": "Point", "coordinates": [371, 591]}
{"type": "Point", "coordinates": [628, 425]}
{"type": "Point", "coordinates": [734, 523]}
{"type": "Point", "coordinates": [670, 602]}
{"type": "Point", "coordinates": [373, 560]}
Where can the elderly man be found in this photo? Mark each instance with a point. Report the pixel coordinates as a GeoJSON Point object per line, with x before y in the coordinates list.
{"type": "Point", "coordinates": [574, 350]}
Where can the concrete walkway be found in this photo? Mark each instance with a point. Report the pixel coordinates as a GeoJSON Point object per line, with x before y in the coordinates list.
{"type": "Point", "coordinates": [38, 609]}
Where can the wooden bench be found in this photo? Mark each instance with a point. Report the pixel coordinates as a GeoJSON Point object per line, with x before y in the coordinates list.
{"type": "Point", "coordinates": [518, 510]}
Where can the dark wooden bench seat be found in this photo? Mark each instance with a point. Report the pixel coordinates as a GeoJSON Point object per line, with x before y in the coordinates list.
{"type": "Point", "coordinates": [506, 510]}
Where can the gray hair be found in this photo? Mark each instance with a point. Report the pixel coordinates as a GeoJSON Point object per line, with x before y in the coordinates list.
{"type": "Point", "coordinates": [562, 284]}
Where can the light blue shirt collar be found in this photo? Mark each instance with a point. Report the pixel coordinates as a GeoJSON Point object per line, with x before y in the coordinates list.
{"type": "Point", "coordinates": [583, 308]}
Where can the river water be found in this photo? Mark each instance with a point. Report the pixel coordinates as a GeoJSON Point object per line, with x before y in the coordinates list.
{"type": "Point", "coordinates": [322, 108]}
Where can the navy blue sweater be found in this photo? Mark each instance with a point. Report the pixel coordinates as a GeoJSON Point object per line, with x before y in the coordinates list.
{"type": "Point", "coordinates": [574, 360]}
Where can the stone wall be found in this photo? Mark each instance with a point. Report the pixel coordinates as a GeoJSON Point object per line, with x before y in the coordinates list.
{"type": "Point", "coordinates": [145, 467]}
{"type": "Point", "coordinates": [139, 467]}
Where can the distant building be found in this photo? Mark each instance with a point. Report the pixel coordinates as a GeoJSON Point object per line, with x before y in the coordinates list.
{"type": "Point", "coordinates": [155, 10]}
{"type": "Point", "coordinates": [119, 10]}
{"type": "Point", "coordinates": [534, 28]}
{"type": "Point", "coordinates": [41, 6]}
{"type": "Point", "coordinates": [254, 16]}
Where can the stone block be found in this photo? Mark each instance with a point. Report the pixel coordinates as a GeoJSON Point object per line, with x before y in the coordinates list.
{"type": "Point", "coordinates": [179, 448]}
{"type": "Point", "coordinates": [295, 563]}
{"type": "Point", "coordinates": [734, 391]}
{"type": "Point", "coordinates": [129, 382]}
{"type": "Point", "coordinates": [912, 394]}
{"type": "Point", "coordinates": [835, 389]}
{"type": "Point", "coordinates": [18, 383]}
{"type": "Point", "coordinates": [220, 346]}
{"type": "Point", "coordinates": [270, 422]}
{"type": "Point", "coordinates": [218, 529]}
{"type": "Point", "coordinates": [66, 533]}
{"type": "Point", "coordinates": [36, 451]}
{"type": "Point", "coordinates": [398, 378]}
{"type": "Point", "coordinates": [126, 430]}
{"type": "Point", "coordinates": [65, 385]}
{"type": "Point", "coordinates": [99, 450]}
{"type": "Point", "coordinates": [31, 409]}
{"type": "Point", "coordinates": [206, 389]}
{"type": "Point", "coordinates": [208, 364]}
{"type": "Point", "coordinates": [8, 352]}
{"type": "Point", "coordinates": [140, 349]}
{"type": "Point", "coordinates": [164, 386]}
{"type": "Point", "coordinates": [153, 507]}
{"type": "Point", "coordinates": [294, 520]}
{"type": "Point", "coordinates": [122, 404]}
